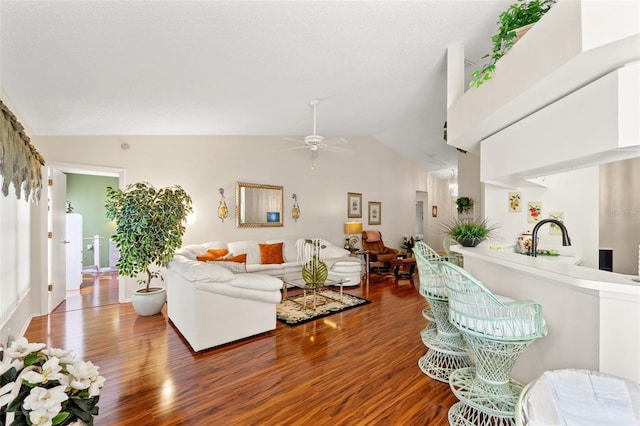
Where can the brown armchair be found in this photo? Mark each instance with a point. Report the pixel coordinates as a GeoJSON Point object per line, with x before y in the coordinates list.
{"type": "Point", "coordinates": [378, 252]}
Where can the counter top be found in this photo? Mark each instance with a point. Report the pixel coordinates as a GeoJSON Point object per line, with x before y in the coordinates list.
{"type": "Point", "coordinates": [563, 271]}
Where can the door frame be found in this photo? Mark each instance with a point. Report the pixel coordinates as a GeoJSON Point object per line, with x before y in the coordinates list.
{"type": "Point", "coordinates": [81, 169]}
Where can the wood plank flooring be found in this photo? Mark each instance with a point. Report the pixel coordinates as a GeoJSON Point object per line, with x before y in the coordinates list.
{"type": "Point", "coordinates": [358, 367]}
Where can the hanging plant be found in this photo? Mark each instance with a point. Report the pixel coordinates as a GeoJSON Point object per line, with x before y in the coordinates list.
{"type": "Point", "coordinates": [516, 16]}
{"type": "Point", "coordinates": [464, 204]}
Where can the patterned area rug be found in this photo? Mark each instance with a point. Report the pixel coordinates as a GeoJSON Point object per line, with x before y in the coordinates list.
{"type": "Point", "coordinates": [292, 312]}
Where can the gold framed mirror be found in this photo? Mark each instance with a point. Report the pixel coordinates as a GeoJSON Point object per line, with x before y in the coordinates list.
{"type": "Point", "coordinates": [258, 205]}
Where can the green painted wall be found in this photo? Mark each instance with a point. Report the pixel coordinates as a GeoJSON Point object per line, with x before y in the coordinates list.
{"type": "Point", "coordinates": [87, 196]}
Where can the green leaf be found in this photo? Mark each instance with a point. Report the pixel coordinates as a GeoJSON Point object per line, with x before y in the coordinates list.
{"type": "Point", "coordinates": [60, 417]}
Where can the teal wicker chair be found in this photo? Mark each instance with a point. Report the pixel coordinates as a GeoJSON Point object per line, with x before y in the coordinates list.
{"type": "Point", "coordinates": [447, 350]}
{"type": "Point", "coordinates": [497, 332]}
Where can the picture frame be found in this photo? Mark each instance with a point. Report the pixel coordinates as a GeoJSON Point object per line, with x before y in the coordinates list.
{"type": "Point", "coordinates": [553, 228]}
{"type": "Point", "coordinates": [354, 204]}
{"type": "Point", "coordinates": [375, 212]}
{"type": "Point", "coordinates": [515, 205]}
{"type": "Point", "coordinates": [534, 211]}
{"type": "Point", "coordinates": [434, 211]}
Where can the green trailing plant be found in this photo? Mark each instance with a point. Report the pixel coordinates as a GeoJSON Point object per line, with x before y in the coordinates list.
{"type": "Point", "coordinates": [464, 204]}
{"type": "Point", "coordinates": [469, 231]}
{"type": "Point", "coordinates": [149, 226]}
{"type": "Point", "coordinates": [519, 14]}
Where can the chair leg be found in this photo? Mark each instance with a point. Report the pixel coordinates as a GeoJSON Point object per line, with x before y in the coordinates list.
{"type": "Point", "coordinates": [488, 387]}
{"type": "Point", "coordinates": [447, 349]}
{"type": "Point", "coordinates": [461, 414]}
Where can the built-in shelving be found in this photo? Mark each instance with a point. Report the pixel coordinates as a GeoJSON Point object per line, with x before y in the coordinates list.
{"type": "Point", "coordinates": [572, 46]}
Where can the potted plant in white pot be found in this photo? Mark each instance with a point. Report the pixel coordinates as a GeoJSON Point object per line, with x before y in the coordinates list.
{"type": "Point", "coordinates": [150, 226]}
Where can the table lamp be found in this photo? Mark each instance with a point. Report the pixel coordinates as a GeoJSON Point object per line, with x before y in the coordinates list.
{"type": "Point", "coordinates": [353, 231]}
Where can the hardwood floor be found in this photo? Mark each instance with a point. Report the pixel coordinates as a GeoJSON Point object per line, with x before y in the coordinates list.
{"type": "Point", "coordinates": [358, 367]}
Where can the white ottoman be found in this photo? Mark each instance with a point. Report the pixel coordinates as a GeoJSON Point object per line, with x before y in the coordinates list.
{"type": "Point", "coordinates": [346, 267]}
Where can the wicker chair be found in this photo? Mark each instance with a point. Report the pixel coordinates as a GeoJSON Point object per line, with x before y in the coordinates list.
{"type": "Point", "coordinates": [447, 350]}
{"type": "Point", "coordinates": [497, 332]}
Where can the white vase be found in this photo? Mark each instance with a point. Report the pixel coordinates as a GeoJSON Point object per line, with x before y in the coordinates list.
{"type": "Point", "coordinates": [149, 303]}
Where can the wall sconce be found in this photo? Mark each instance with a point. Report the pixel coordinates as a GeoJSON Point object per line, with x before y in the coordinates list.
{"type": "Point", "coordinates": [192, 217]}
{"type": "Point", "coordinates": [223, 211]}
{"type": "Point", "coordinates": [353, 231]}
{"type": "Point", "coordinates": [295, 211]}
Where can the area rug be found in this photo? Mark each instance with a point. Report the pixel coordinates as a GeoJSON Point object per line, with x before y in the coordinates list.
{"type": "Point", "coordinates": [291, 311]}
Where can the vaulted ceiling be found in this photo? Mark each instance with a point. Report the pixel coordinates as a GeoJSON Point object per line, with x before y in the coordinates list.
{"type": "Point", "coordinates": [242, 67]}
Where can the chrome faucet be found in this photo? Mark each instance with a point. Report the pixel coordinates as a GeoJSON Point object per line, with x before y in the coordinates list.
{"type": "Point", "coordinates": [566, 241]}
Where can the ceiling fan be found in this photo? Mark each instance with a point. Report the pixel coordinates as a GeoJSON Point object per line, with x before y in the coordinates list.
{"type": "Point", "coordinates": [315, 143]}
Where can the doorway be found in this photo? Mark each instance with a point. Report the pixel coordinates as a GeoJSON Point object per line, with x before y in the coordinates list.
{"type": "Point", "coordinates": [420, 225]}
{"type": "Point", "coordinates": [98, 289]}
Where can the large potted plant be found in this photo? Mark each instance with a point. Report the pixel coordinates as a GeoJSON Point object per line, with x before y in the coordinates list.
{"type": "Point", "coordinates": [469, 232]}
{"type": "Point", "coordinates": [150, 226]}
{"type": "Point", "coordinates": [512, 24]}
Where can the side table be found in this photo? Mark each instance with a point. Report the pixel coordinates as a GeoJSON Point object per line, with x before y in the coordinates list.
{"type": "Point", "coordinates": [403, 262]}
{"type": "Point", "coordinates": [367, 263]}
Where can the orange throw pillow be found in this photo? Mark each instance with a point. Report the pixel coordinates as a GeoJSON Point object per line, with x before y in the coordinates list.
{"type": "Point", "coordinates": [212, 254]}
{"type": "Point", "coordinates": [206, 257]}
{"type": "Point", "coordinates": [271, 253]}
{"type": "Point", "coordinates": [218, 252]}
{"type": "Point", "coordinates": [240, 258]}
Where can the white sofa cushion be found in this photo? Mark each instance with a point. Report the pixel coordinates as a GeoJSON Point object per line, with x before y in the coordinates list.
{"type": "Point", "coordinates": [261, 288]}
{"type": "Point", "coordinates": [196, 271]}
{"type": "Point", "coordinates": [235, 267]}
{"type": "Point", "coordinates": [331, 251]}
{"type": "Point", "coordinates": [191, 251]}
{"type": "Point", "coordinates": [274, 269]}
{"type": "Point", "coordinates": [250, 247]}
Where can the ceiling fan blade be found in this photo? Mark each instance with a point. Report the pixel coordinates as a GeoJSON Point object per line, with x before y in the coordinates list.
{"type": "Point", "coordinates": [336, 141]}
{"type": "Point", "coordinates": [294, 140]}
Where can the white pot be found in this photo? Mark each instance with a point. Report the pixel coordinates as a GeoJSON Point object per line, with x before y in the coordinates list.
{"type": "Point", "coordinates": [149, 303]}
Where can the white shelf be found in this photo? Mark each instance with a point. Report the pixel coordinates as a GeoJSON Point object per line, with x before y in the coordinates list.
{"type": "Point", "coordinates": [574, 44]}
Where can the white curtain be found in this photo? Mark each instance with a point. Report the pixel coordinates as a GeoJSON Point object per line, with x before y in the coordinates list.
{"type": "Point", "coordinates": [15, 218]}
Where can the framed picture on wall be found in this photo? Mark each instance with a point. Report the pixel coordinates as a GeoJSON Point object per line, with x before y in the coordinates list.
{"type": "Point", "coordinates": [375, 212]}
{"type": "Point", "coordinates": [534, 211]}
{"type": "Point", "coordinates": [354, 204]}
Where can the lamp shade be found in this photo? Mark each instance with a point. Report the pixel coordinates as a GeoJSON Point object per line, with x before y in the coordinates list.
{"type": "Point", "coordinates": [353, 227]}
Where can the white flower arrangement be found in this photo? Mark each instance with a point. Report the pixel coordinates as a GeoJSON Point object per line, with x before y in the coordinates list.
{"type": "Point", "coordinates": [47, 387]}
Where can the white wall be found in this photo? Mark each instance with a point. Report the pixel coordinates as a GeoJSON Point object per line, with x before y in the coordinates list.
{"type": "Point", "coordinates": [574, 193]}
{"type": "Point", "coordinates": [202, 164]}
{"type": "Point", "coordinates": [469, 184]}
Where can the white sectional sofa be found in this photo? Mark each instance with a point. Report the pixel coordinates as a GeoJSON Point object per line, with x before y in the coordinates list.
{"type": "Point", "coordinates": [210, 304]}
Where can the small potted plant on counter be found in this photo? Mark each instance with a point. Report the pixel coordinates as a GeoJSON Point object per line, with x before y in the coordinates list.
{"type": "Point", "coordinates": [469, 232]}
